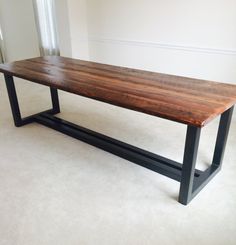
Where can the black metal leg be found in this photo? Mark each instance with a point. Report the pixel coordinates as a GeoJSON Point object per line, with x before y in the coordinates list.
{"type": "Point", "coordinates": [191, 184]}
{"type": "Point", "coordinates": [222, 136]}
{"type": "Point", "coordinates": [18, 120]}
{"type": "Point", "coordinates": [189, 162]}
{"type": "Point", "coordinates": [55, 100]}
{"type": "Point", "coordinates": [13, 100]}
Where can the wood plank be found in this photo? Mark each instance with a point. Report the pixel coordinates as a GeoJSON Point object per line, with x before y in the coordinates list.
{"type": "Point", "coordinates": [186, 100]}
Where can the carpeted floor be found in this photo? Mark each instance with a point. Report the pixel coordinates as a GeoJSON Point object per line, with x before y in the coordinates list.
{"type": "Point", "coordinates": [55, 190]}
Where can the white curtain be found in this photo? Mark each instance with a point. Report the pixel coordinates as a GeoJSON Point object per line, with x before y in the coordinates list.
{"type": "Point", "coordinates": [2, 57]}
{"type": "Point", "coordinates": [45, 17]}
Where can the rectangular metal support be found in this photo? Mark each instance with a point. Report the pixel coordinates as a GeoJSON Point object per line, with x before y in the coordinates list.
{"type": "Point", "coordinates": [55, 100]}
{"type": "Point", "coordinates": [189, 162]}
{"type": "Point", "coordinates": [203, 179]}
{"type": "Point", "coordinates": [13, 100]}
{"type": "Point", "coordinates": [222, 137]}
{"type": "Point", "coordinates": [134, 154]}
{"type": "Point", "coordinates": [192, 185]}
{"type": "Point", "coordinates": [18, 120]}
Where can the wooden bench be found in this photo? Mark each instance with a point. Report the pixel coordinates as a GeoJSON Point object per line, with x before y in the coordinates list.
{"type": "Point", "coordinates": [189, 101]}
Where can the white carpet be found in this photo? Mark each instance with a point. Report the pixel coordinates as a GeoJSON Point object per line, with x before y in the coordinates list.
{"type": "Point", "coordinates": [57, 190]}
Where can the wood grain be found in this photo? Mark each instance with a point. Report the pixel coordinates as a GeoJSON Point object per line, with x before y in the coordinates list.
{"type": "Point", "coordinates": [186, 100]}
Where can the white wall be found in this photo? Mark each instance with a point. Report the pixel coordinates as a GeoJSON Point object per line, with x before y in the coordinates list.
{"type": "Point", "coordinates": [184, 37]}
{"type": "Point", "coordinates": [18, 26]}
{"type": "Point", "coordinates": [63, 27]}
{"type": "Point", "coordinates": [77, 12]}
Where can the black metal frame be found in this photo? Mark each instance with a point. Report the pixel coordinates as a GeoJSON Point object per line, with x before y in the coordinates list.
{"type": "Point", "coordinates": [191, 179]}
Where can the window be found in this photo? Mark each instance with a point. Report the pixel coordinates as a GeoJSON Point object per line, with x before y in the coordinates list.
{"type": "Point", "coordinates": [2, 57]}
{"type": "Point", "coordinates": [45, 16]}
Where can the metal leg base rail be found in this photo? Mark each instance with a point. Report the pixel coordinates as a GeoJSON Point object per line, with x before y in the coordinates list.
{"type": "Point", "coordinates": [191, 179]}
{"type": "Point", "coordinates": [134, 154]}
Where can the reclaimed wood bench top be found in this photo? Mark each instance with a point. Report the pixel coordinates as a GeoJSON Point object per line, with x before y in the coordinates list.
{"type": "Point", "coordinates": [185, 100]}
